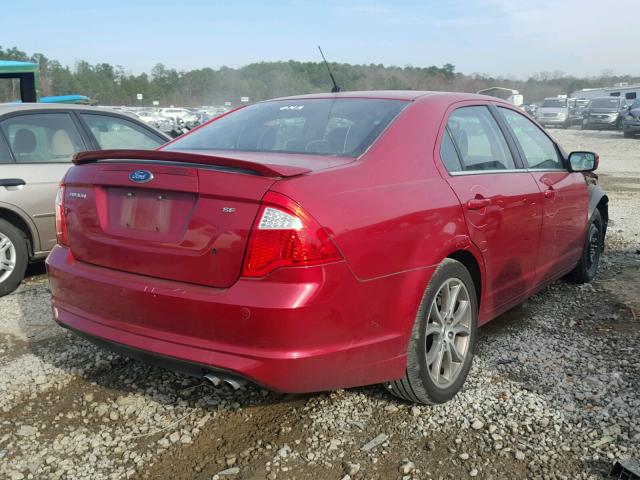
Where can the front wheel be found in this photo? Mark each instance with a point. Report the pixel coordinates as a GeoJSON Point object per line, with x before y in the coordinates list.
{"type": "Point", "coordinates": [587, 267]}
{"type": "Point", "coordinates": [440, 349]}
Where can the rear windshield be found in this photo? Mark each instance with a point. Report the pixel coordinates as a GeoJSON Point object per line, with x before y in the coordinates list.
{"type": "Point", "coordinates": [554, 103]}
{"type": "Point", "coordinates": [605, 103]}
{"type": "Point", "coordinates": [343, 127]}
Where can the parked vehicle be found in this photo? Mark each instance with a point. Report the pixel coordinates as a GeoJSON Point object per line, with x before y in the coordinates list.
{"type": "Point", "coordinates": [604, 113]}
{"type": "Point", "coordinates": [179, 114]}
{"type": "Point", "coordinates": [324, 241]}
{"type": "Point", "coordinates": [576, 110]}
{"type": "Point", "coordinates": [631, 120]}
{"type": "Point", "coordinates": [153, 118]}
{"type": "Point", "coordinates": [37, 142]}
{"type": "Point", "coordinates": [554, 111]}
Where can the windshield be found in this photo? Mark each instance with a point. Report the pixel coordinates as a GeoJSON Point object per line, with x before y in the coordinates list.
{"type": "Point", "coordinates": [345, 127]}
{"type": "Point", "coordinates": [554, 103]}
{"type": "Point", "coordinates": [605, 103]}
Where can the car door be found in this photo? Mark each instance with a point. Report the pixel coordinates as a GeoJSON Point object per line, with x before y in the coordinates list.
{"type": "Point", "coordinates": [116, 132]}
{"type": "Point", "coordinates": [500, 200]}
{"type": "Point", "coordinates": [42, 144]}
{"type": "Point", "coordinates": [565, 197]}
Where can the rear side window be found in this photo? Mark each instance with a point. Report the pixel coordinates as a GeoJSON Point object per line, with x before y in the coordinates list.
{"type": "Point", "coordinates": [5, 154]}
{"type": "Point", "coordinates": [448, 153]}
{"type": "Point", "coordinates": [344, 127]}
{"type": "Point", "coordinates": [42, 137]}
{"type": "Point", "coordinates": [114, 133]}
{"type": "Point", "coordinates": [479, 140]}
{"type": "Point", "coordinates": [539, 151]}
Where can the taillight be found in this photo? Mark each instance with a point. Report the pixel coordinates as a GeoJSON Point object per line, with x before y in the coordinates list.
{"type": "Point", "coordinates": [284, 235]}
{"type": "Point", "coordinates": [61, 221]}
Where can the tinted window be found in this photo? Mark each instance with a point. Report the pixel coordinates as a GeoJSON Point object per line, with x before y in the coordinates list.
{"type": "Point", "coordinates": [630, 95]}
{"type": "Point", "coordinates": [346, 126]}
{"type": "Point", "coordinates": [479, 140]}
{"type": "Point", "coordinates": [42, 137]}
{"type": "Point", "coordinates": [448, 153]}
{"type": "Point", "coordinates": [114, 133]}
{"type": "Point", "coordinates": [538, 149]}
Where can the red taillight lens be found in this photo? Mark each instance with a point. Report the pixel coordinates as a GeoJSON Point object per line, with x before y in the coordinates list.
{"type": "Point", "coordinates": [61, 221]}
{"type": "Point", "coordinates": [284, 235]}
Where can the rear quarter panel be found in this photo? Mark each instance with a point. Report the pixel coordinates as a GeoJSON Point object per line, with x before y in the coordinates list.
{"type": "Point", "coordinates": [390, 212]}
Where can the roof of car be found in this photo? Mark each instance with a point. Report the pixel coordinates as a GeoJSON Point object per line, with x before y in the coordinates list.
{"type": "Point", "coordinates": [407, 95]}
{"type": "Point", "coordinates": [20, 107]}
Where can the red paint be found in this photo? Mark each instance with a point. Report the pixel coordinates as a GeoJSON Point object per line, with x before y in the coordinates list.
{"type": "Point", "coordinates": [171, 282]}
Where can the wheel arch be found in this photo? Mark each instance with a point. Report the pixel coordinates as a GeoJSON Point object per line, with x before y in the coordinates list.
{"type": "Point", "coordinates": [18, 221]}
{"type": "Point", "coordinates": [599, 200]}
{"type": "Point", "coordinates": [471, 263]}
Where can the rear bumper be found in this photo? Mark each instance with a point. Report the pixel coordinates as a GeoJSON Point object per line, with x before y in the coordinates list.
{"type": "Point", "coordinates": [298, 330]}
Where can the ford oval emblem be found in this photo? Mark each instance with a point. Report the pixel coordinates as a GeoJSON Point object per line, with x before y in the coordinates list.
{"type": "Point", "coordinates": [141, 176]}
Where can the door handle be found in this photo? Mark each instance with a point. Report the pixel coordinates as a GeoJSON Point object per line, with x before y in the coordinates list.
{"type": "Point", "coordinates": [11, 182]}
{"type": "Point", "coordinates": [550, 193]}
{"type": "Point", "coordinates": [478, 203]}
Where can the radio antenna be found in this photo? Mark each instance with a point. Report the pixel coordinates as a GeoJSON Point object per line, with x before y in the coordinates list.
{"type": "Point", "coordinates": [335, 88]}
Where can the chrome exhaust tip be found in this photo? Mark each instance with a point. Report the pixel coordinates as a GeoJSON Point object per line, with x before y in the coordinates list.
{"type": "Point", "coordinates": [235, 384]}
{"type": "Point", "coordinates": [213, 379]}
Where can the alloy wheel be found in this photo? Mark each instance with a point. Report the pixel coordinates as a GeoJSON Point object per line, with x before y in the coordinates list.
{"type": "Point", "coordinates": [7, 257]}
{"type": "Point", "coordinates": [448, 332]}
{"type": "Point", "coordinates": [594, 245]}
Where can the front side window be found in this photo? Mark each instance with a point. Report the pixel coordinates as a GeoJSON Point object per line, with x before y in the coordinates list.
{"type": "Point", "coordinates": [479, 140]}
{"type": "Point", "coordinates": [539, 151]}
{"type": "Point", "coordinates": [115, 133]}
{"type": "Point", "coordinates": [343, 127]}
{"type": "Point", "coordinates": [42, 137]}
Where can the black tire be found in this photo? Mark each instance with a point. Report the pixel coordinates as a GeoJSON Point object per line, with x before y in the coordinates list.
{"type": "Point", "coordinates": [587, 267]}
{"type": "Point", "coordinates": [417, 386]}
{"type": "Point", "coordinates": [17, 238]}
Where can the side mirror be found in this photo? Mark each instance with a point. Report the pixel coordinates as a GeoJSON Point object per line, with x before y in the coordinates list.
{"type": "Point", "coordinates": [583, 161]}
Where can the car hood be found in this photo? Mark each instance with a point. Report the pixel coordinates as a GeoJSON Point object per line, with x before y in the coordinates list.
{"type": "Point", "coordinates": [602, 110]}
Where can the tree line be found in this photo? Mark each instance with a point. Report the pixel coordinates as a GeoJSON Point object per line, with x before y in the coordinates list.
{"type": "Point", "coordinates": [112, 85]}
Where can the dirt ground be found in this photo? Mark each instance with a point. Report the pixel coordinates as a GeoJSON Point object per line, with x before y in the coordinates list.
{"type": "Point", "coordinates": [554, 391]}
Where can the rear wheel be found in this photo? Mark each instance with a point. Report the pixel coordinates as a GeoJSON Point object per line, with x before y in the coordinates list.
{"type": "Point", "coordinates": [14, 257]}
{"type": "Point", "coordinates": [440, 350]}
{"type": "Point", "coordinates": [587, 267]}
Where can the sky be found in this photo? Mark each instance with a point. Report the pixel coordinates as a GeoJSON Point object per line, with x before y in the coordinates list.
{"type": "Point", "coordinates": [509, 38]}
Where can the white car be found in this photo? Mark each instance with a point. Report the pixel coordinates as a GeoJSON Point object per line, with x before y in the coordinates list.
{"type": "Point", "coordinates": [176, 114]}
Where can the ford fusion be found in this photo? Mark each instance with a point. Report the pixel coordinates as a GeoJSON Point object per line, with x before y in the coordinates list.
{"type": "Point", "coordinates": [326, 241]}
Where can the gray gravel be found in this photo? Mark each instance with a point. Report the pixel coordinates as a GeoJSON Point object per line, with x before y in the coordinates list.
{"type": "Point", "coordinates": [554, 392]}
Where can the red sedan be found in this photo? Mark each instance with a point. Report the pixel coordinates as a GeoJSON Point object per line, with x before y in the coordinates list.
{"type": "Point", "coordinates": [324, 241]}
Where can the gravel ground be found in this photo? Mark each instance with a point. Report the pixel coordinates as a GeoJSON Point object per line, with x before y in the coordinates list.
{"type": "Point", "coordinates": [554, 392]}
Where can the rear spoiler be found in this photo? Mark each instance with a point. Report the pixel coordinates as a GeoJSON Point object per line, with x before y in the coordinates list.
{"type": "Point", "coordinates": [266, 170]}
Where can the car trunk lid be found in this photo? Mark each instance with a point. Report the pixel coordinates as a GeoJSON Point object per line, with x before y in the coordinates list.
{"type": "Point", "coordinates": [186, 218]}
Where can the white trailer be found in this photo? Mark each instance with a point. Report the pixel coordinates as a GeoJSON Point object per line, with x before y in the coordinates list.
{"type": "Point", "coordinates": [628, 92]}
